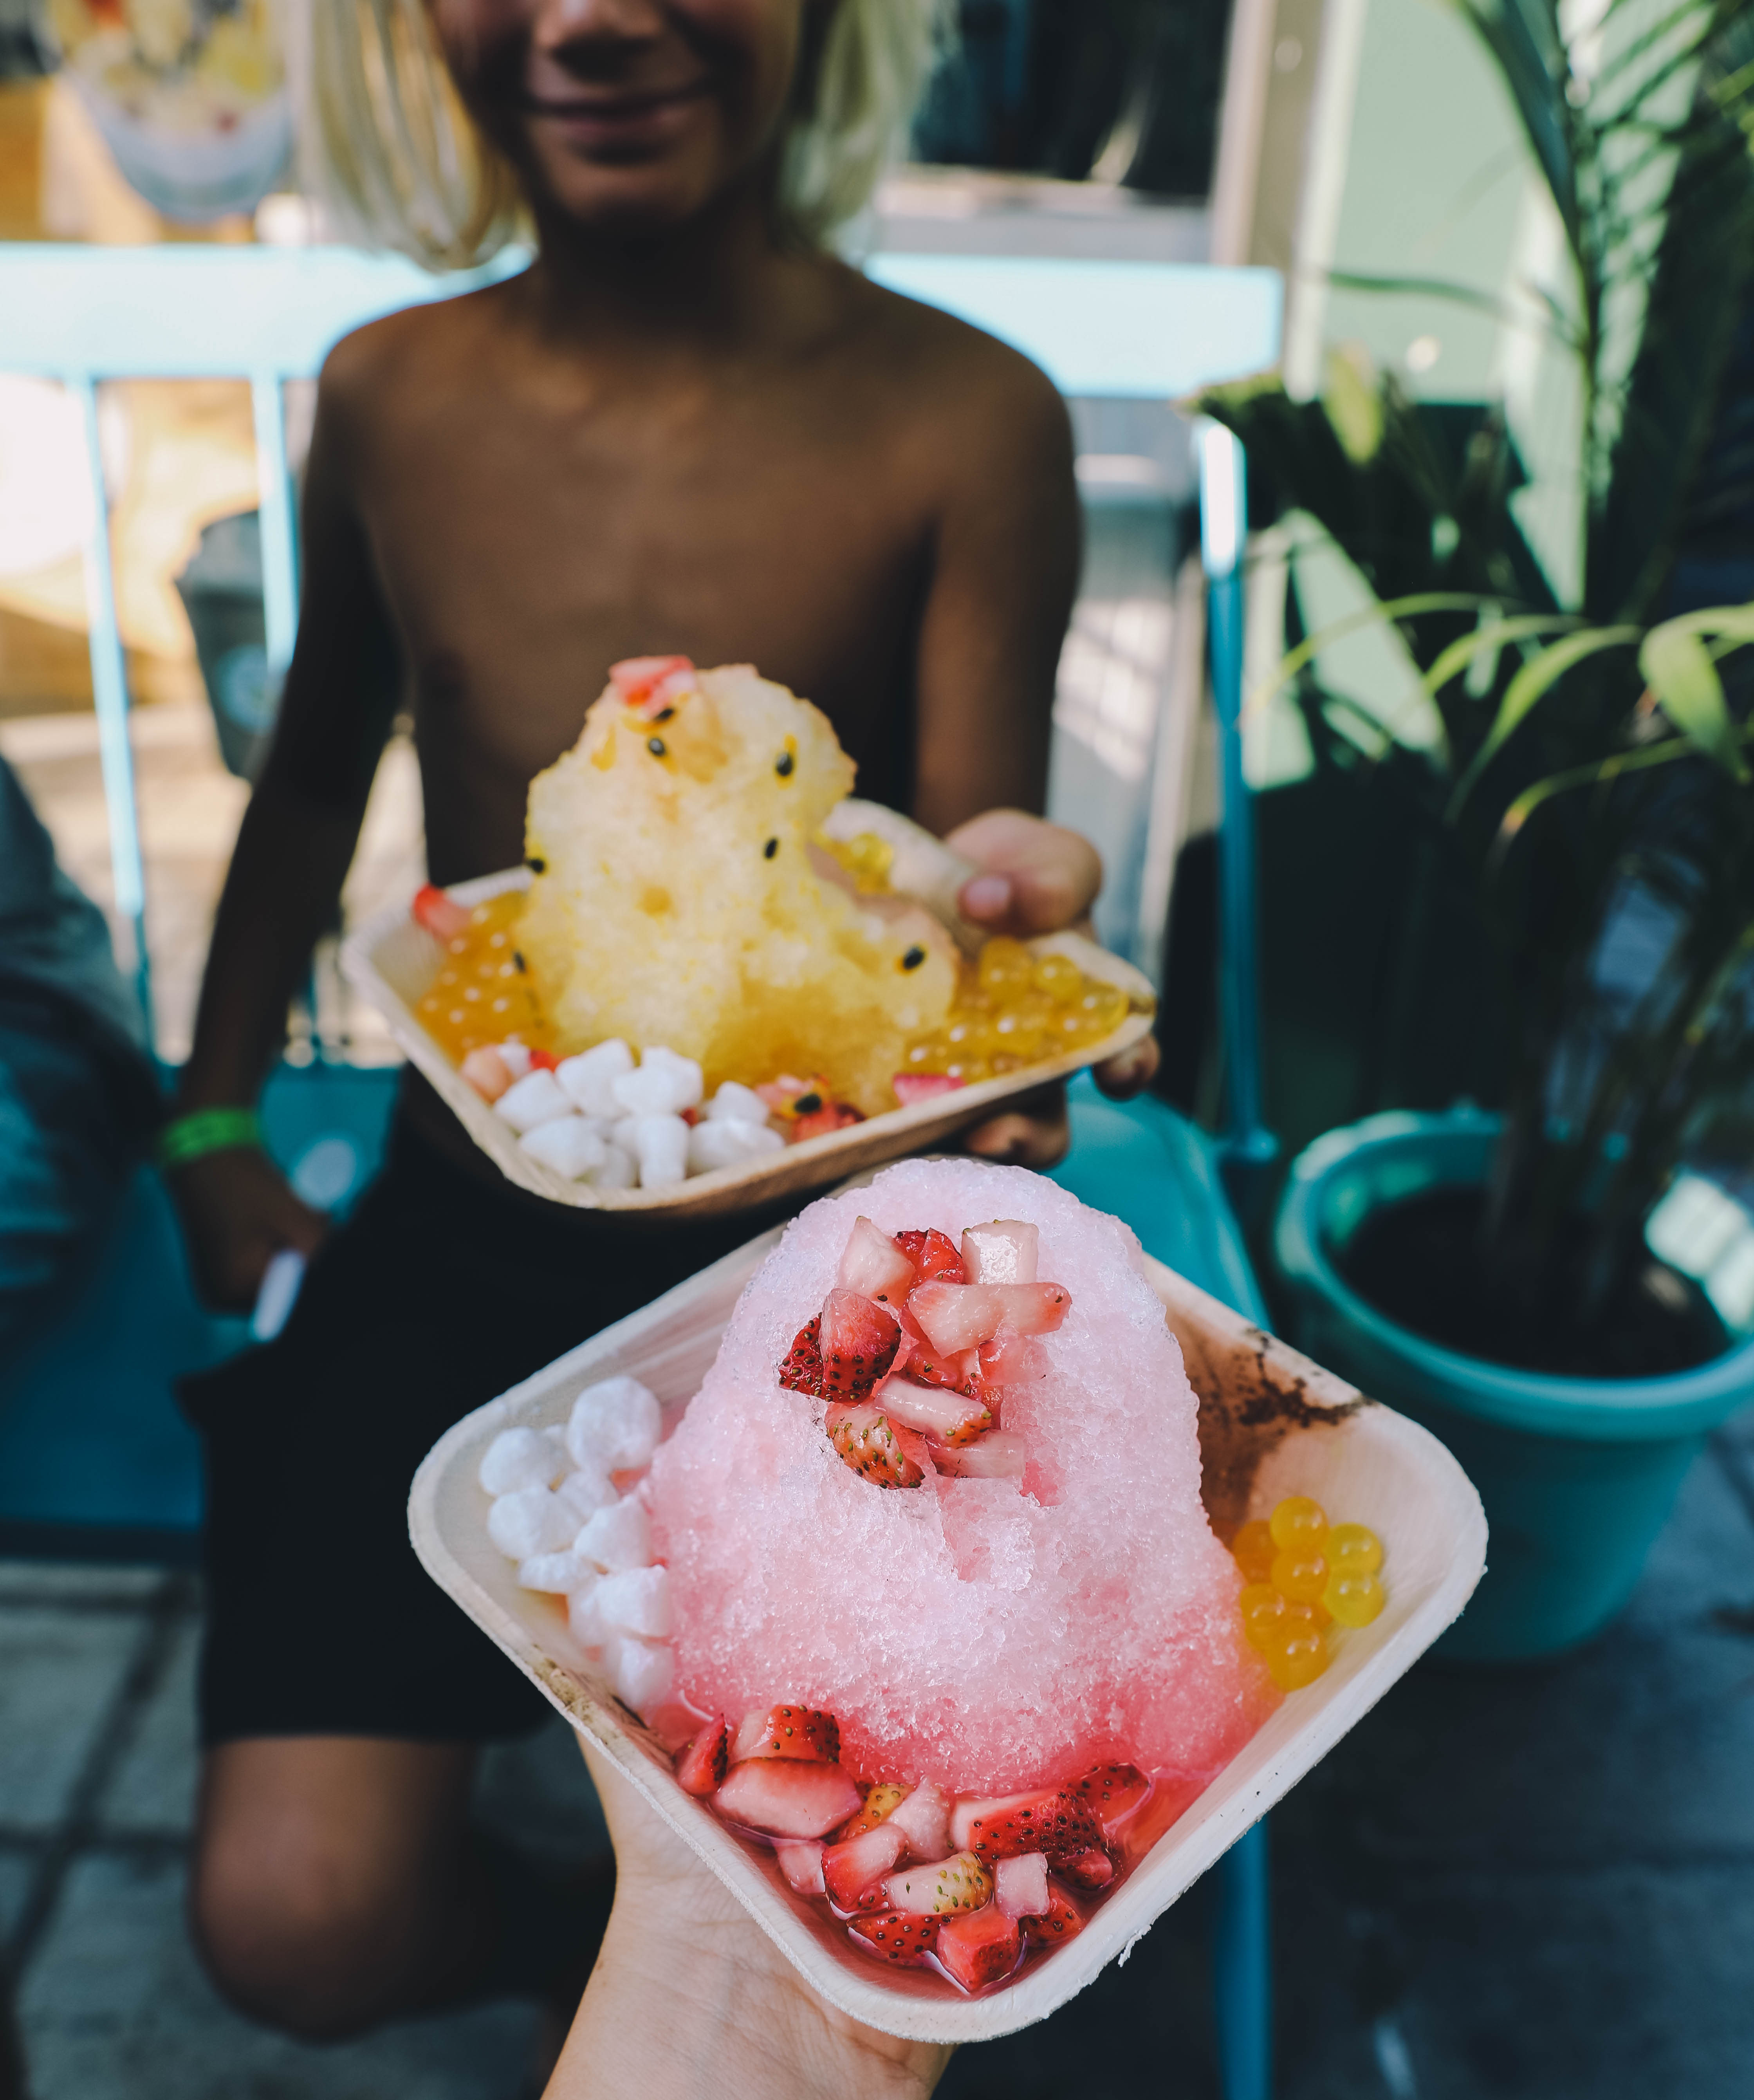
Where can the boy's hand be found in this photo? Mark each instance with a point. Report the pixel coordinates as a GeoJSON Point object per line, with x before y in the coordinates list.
{"type": "Point", "coordinates": [238, 1212]}
{"type": "Point", "coordinates": [1038, 878]}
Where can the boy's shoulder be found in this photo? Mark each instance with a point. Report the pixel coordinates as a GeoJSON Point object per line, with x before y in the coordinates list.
{"type": "Point", "coordinates": [915, 343]}
{"type": "Point", "coordinates": [408, 343]}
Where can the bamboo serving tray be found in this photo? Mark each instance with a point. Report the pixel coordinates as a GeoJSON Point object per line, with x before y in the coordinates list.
{"type": "Point", "coordinates": [1271, 1424]}
{"type": "Point", "coordinates": [391, 961]}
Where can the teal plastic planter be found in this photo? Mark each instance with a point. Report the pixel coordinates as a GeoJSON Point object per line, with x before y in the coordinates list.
{"type": "Point", "coordinates": [1577, 1475]}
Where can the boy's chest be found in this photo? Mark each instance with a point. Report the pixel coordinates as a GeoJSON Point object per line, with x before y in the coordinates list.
{"type": "Point", "coordinates": [521, 557]}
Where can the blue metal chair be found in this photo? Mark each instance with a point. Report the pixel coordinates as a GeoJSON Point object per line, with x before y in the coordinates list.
{"type": "Point", "coordinates": [91, 1452]}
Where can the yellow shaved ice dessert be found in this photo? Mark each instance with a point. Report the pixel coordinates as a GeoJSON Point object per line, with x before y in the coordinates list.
{"type": "Point", "coordinates": [680, 896]}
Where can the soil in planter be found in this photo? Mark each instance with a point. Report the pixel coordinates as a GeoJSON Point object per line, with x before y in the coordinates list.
{"type": "Point", "coordinates": [1418, 1261]}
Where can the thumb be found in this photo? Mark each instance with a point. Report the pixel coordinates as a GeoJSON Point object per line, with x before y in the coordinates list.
{"type": "Point", "coordinates": [1034, 877]}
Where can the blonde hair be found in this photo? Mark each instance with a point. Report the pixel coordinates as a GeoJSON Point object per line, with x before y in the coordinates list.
{"type": "Point", "coordinates": [389, 152]}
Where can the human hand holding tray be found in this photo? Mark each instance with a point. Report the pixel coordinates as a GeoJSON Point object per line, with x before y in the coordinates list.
{"type": "Point", "coordinates": [1270, 1424]}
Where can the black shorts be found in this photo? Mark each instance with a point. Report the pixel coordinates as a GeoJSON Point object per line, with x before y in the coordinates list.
{"type": "Point", "coordinates": [440, 1292]}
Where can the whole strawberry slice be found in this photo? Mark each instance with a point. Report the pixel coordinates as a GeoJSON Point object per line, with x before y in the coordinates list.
{"type": "Point", "coordinates": [802, 1368]}
{"type": "Point", "coordinates": [858, 1338]}
{"type": "Point", "coordinates": [873, 1447]}
{"type": "Point", "coordinates": [1054, 1821]}
{"type": "Point", "coordinates": [935, 1258]}
{"type": "Point", "coordinates": [892, 1937]}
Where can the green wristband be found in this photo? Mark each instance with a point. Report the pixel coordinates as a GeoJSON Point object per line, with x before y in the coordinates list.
{"type": "Point", "coordinates": [208, 1130]}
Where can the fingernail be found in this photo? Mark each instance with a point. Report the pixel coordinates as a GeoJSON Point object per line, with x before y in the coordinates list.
{"type": "Point", "coordinates": [986, 896]}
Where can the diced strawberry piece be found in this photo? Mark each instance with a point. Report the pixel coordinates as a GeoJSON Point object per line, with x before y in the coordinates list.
{"type": "Point", "coordinates": [960, 1373]}
{"type": "Point", "coordinates": [1011, 1358]}
{"type": "Point", "coordinates": [787, 1798]}
{"type": "Point", "coordinates": [800, 1861]}
{"type": "Point", "coordinates": [635, 678]}
{"type": "Point", "coordinates": [853, 1871]}
{"type": "Point", "coordinates": [486, 1071]}
{"type": "Point", "coordinates": [787, 1732]}
{"type": "Point", "coordinates": [802, 1367]}
{"type": "Point", "coordinates": [946, 1417]}
{"type": "Point", "coordinates": [1054, 1821]}
{"type": "Point", "coordinates": [979, 1947]}
{"type": "Point", "coordinates": [1092, 1869]}
{"type": "Point", "coordinates": [934, 1259]}
{"type": "Point", "coordinates": [924, 1820]}
{"type": "Point", "coordinates": [858, 1338]}
{"type": "Point", "coordinates": [956, 1316]}
{"type": "Point", "coordinates": [1113, 1794]}
{"type": "Point", "coordinates": [1019, 1885]}
{"type": "Point", "coordinates": [1064, 1921]}
{"type": "Point", "coordinates": [874, 1266]}
{"type": "Point", "coordinates": [880, 1803]}
{"type": "Point", "coordinates": [1003, 1252]}
{"type": "Point", "coordinates": [441, 916]}
{"type": "Point", "coordinates": [866, 1441]}
{"type": "Point", "coordinates": [544, 1061]}
{"type": "Point", "coordinates": [911, 1086]}
{"type": "Point", "coordinates": [819, 1123]}
{"type": "Point", "coordinates": [1000, 1455]}
{"type": "Point", "coordinates": [941, 1886]}
{"type": "Point", "coordinates": [779, 1094]}
{"type": "Point", "coordinates": [904, 1941]}
{"type": "Point", "coordinates": [703, 1765]}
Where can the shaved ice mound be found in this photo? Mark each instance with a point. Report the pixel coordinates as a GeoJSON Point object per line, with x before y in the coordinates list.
{"type": "Point", "coordinates": [680, 897]}
{"type": "Point", "coordinates": [990, 1634]}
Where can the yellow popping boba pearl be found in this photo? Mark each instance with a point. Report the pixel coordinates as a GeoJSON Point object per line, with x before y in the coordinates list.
{"type": "Point", "coordinates": [1005, 967]}
{"type": "Point", "coordinates": [1355, 1548]}
{"type": "Point", "coordinates": [1263, 1614]}
{"type": "Point", "coordinates": [1298, 1524]}
{"type": "Point", "coordinates": [1354, 1599]}
{"type": "Point", "coordinates": [1296, 1658]}
{"type": "Point", "coordinates": [1253, 1550]}
{"type": "Point", "coordinates": [1300, 1575]}
{"type": "Point", "coordinates": [1059, 978]}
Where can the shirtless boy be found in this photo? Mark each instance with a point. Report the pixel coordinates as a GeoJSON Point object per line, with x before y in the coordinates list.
{"type": "Point", "coordinates": [685, 428]}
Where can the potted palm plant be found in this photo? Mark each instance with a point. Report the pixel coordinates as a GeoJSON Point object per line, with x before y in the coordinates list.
{"type": "Point", "coordinates": [1593, 784]}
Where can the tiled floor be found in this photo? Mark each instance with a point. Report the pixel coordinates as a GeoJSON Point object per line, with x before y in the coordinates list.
{"type": "Point", "coordinates": [1535, 1884]}
{"type": "Point", "coordinates": [97, 1775]}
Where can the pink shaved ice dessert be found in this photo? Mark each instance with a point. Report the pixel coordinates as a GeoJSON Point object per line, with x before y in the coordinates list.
{"type": "Point", "coordinates": [942, 1484]}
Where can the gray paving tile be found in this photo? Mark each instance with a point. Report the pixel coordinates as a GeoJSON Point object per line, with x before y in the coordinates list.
{"type": "Point", "coordinates": [58, 1670]}
{"type": "Point", "coordinates": [1533, 1883]}
{"type": "Point", "coordinates": [1640, 1746]}
{"type": "Point", "coordinates": [153, 1787]}
{"type": "Point", "coordinates": [16, 1866]}
{"type": "Point", "coordinates": [58, 1581]}
{"type": "Point", "coordinates": [537, 1793]}
{"type": "Point", "coordinates": [1615, 1985]}
{"type": "Point", "coordinates": [114, 2007]}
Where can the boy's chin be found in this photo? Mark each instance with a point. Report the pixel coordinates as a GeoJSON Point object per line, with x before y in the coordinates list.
{"type": "Point", "coordinates": [626, 203]}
